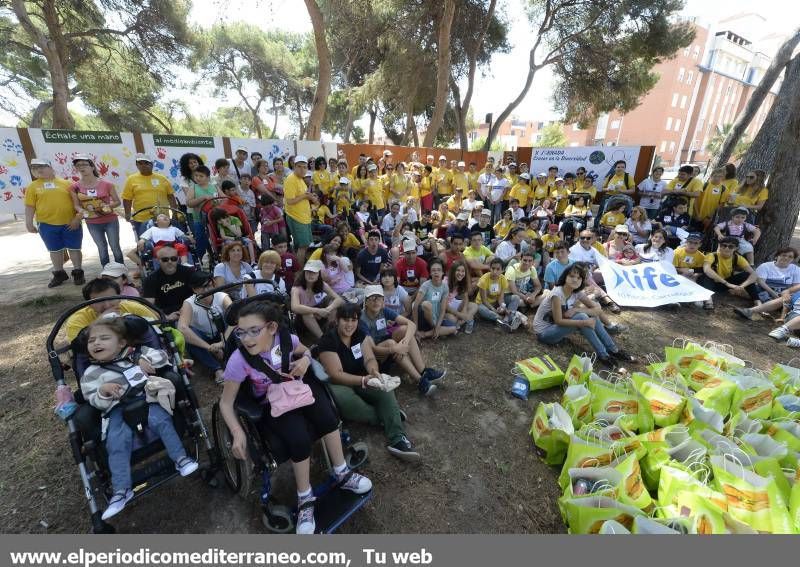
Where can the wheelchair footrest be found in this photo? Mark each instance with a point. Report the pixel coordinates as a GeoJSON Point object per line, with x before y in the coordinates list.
{"type": "Point", "coordinates": [335, 506]}
{"type": "Point", "coordinates": [146, 473]}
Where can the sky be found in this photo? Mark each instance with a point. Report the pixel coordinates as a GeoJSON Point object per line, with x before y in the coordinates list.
{"type": "Point", "coordinates": [495, 85]}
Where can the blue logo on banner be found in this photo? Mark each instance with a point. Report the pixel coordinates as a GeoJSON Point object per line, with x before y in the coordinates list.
{"type": "Point", "coordinates": [648, 279]}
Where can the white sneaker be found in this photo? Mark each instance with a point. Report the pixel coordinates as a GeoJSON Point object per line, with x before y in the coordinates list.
{"type": "Point", "coordinates": [469, 326]}
{"type": "Point", "coordinates": [517, 320]}
{"type": "Point", "coordinates": [117, 503]}
{"type": "Point", "coordinates": [793, 342]}
{"type": "Point", "coordinates": [305, 517]}
{"type": "Point", "coordinates": [186, 466]}
{"type": "Point", "coordinates": [354, 482]}
{"type": "Point", "coordinates": [779, 333]}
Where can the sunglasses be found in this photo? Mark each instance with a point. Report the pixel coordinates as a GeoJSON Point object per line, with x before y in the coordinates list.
{"type": "Point", "coordinates": [728, 246]}
{"type": "Point", "coordinates": [252, 332]}
{"type": "Point", "coordinates": [168, 259]}
{"type": "Point", "coordinates": [586, 237]}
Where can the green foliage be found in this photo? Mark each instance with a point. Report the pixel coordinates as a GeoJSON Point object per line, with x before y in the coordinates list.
{"type": "Point", "coordinates": [552, 136]}
{"type": "Point", "coordinates": [478, 144]}
{"type": "Point", "coordinates": [714, 144]}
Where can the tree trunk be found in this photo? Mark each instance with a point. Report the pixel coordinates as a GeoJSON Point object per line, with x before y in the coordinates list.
{"type": "Point", "coordinates": [757, 98]}
{"type": "Point", "coordinates": [461, 116]}
{"type": "Point", "coordinates": [778, 218]}
{"type": "Point", "coordinates": [37, 118]}
{"type": "Point", "coordinates": [442, 72]}
{"type": "Point", "coordinates": [314, 126]}
{"type": "Point", "coordinates": [761, 154]}
{"type": "Point", "coordinates": [275, 120]}
{"type": "Point", "coordinates": [373, 115]}
{"type": "Point", "coordinates": [257, 124]}
{"type": "Point", "coordinates": [414, 133]}
{"type": "Point", "coordinates": [348, 125]}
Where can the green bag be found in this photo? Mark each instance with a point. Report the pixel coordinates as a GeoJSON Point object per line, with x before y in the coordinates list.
{"type": "Point", "coordinates": [551, 429]}
{"type": "Point", "coordinates": [665, 405]}
{"type": "Point", "coordinates": [658, 454]}
{"type": "Point", "coordinates": [583, 454]}
{"type": "Point", "coordinates": [769, 467]}
{"type": "Point", "coordinates": [578, 370]}
{"type": "Point", "coordinates": [676, 478]}
{"type": "Point", "coordinates": [701, 373]}
{"type": "Point", "coordinates": [586, 515]}
{"type": "Point", "coordinates": [786, 432]}
{"type": "Point", "coordinates": [577, 402]}
{"type": "Point", "coordinates": [794, 505]}
{"type": "Point", "coordinates": [753, 396]}
{"type": "Point", "coordinates": [707, 519]}
{"type": "Point", "coordinates": [780, 403]}
{"type": "Point", "coordinates": [739, 424]}
{"type": "Point", "coordinates": [717, 395]}
{"type": "Point", "coordinates": [612, 527]}
{"type": "Point", "coordinates": [666, 371]}
{"type": "Point", "coordinates": [542, 372]}
{"type": "Point", "coordinates": [644, 525]}
{"type": "Point", "coordinates": [610, 397]}
{"type": "Point", "coordinates": [607, 482]}
{"type": "Point", "coordinates": [752, 498]}
{"type": "Point", "coordinates": [696, 417]}
{"type": "Point", "coordinates": [632, 490]}
{"type": "Point", "coordinates": [784, 374]}
{"type": "Point", "coordinates": [683, 358]}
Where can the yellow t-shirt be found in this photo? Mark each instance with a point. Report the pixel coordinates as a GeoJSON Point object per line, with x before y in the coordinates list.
{"type": "Point", "coordinates": [550, 241]}
{"type": "Point", "coordinates": [413, 190]}
{"type": "Point", "coordinates": [599, 247]}
{"type": "Point", "coordinates": [294, 187]}
{"type": "Point", "coordinates": [482, 254]}
{"type": "Point", "coordinates": [564, 193]}
{"type": "Point", "coordinates": [322, 213]}
{"type": "Point", "coordinates": [460, 180]}
{"type": "Point", "coordinates": [324, 180]}
{"type": "Point", "coordinates": [402, 185]}
{"type": "Point", "coordinates": [522, 192]}
{"type": "Point", "coordinates": [682, 259]}
{"type": "Point", "coordinates": [725, 265]}
{"type": "Point", "coordinates": [52, 200]}
{"type": "Point", "coordinates": [709, 201]}
{"type": "Point", "coordinates": [358, 186]}
{"type": "Point", "coordinates": [612, 219]}
{"type": "Point", "coordinates": [472, 180]}
{"type": "Point", "coordinates": [731, 185]}
{"type": "Point", "coordinates": [444, 180]}
{"type": "Point", "coordinates": [425, 186]}
{"type": "Point", "coordinates": [513, 178]}
{"type": "Point", "coordinates": [751, 199]}
{"type": "Point", "coordinates": [145, 192]}
{"type": "Point", "coordinates": [351, 241]}
{"type": "Point", "coordinates": [591, 190]}
{"type": "Point", "coordinates": [454, 204]}
{"type": "Point", "coordinates": [373, 192]}
{"type": "Point", "coordinates": [343, 199]}
{"type": "Point", "coordinates": [540, 192]}
{"type": "Point", "coordinates": [502, 227]}
{"type": "Point", "coordinates": [494, 288]}
{"type": "Point", "coordinates": [616, 183]}
{"type": "Point", "coordinates": [576, 211]}
{"type": "Point", "coordinates": [86, 316]}
{"type": "Point", "coordinates": [693, 186]}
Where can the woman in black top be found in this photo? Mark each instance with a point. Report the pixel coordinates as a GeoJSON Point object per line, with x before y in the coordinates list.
{"type": "Point", "coordinates": [346, 353]}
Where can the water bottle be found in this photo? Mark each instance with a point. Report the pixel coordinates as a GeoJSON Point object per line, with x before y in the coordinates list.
{"type": "Point", "coordinates": [65, 403]}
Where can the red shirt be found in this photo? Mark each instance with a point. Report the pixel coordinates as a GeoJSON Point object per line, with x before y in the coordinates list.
{"type": "Point", "coordinates": [289, 268]}
{"type": "Point", "coordinates": [449, 258]}
{"type": "Point", "coordinates": [409, 274]}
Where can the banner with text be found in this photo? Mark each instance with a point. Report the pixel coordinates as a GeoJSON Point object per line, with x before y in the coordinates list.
{"type": "Point", "coordinates": [167, 149]}
{"type": "Point", "coordinates": [649, 285]}
{"type": "Point", "coordinates": [598, 160]}
{"type": "Point", "coordinates": [14, 174]}
{"type": "Point", "coordinates": [112, 152]}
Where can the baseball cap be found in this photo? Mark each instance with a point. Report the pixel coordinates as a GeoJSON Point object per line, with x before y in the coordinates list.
{"type": "Point", "coordinates": [344, 181]}
{"type": "Point", "coordinates": [442, 158]}
{"type": "Point", "coordinates": [512, 164]}
{"type": "Point", "coordinates": [372, 167]}
{"type": "Point", "coordinates": [430, 156]}
{"type": "Point", "coordinates": [387, 152]}
{"type": "Point", "coordinates": [740, 211]}
{"type": "Point", "coordinates": [144, 157]}
{"type": "Point", "coordinates": [243, 149]}
{"type": "Point", "coordinates": [409, 246]}
{"type": "Point", "coordinates": [38, 161]}
{"type": "Point", "coordinates": [695, 236]}
{"type": "Point", "coordinates": [300, 159]}
{"type": "Point", "coordinates": [114, 270]}
{"type": "Point", "coordinates": [199, 278]}
{"type": "Point", "coordinates": [486, 212]}
{"type": "Point", "coordinates": [308, 174]}
{"type": "Point", "coordinates": [313, 266]}
{"type": "Point", "coordinates": [461, 164]}
{"type": "Point", "coordinates": [82, 157]}
{"type": "Point", "coordinates": [622, 229]}
{"type": "Point", "coordinates": [524, 176]}
{"type": "Point", "coordinates": [372, 290]}
{"type": "Point", "coordinates": [462, 216]}
{"type": "Point", "coordinates": [541, 174]}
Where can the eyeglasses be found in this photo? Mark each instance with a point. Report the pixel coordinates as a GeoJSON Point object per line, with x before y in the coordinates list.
{"type": "Point", "coordinates": [168, 259]}
{"type": "Point", "coordinates": [253, 332]}
{"type": "Point", "coordinates": [586, 237]}
{"type": "Point", "coordinates": [728, 246]}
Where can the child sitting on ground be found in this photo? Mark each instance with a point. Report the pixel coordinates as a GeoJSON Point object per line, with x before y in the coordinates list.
{"type": "Point", "coordinates": [677, 218]}
{"type": "Point", "coordinates": [162, 234]}
{"type": "Point", "coordinates": [230, 229]}
{"type": "Point", "coordinates": [117, 375]}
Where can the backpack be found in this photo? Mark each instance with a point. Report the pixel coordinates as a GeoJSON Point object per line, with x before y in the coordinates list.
{"type": "Point", "coordinates": [734, 263]}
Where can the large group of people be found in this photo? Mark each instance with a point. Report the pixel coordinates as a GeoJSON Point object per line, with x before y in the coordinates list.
{"type": "Point", "coordinates": [375, 257]}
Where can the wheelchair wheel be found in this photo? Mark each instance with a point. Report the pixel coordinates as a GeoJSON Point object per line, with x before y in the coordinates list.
{"type": "Point", "coordinates": [277, 519]}
{"type": "Point", "coordinates": [356, 454]}
{"type": "Point", "coordinates": [238, 473]}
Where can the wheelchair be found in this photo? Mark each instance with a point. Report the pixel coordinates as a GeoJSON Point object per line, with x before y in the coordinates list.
{"type": "Point", "coordinates": [147, 258]}
{"type": "Point", "coordinates": [150, 466]}
{"type": "Point", "coordinates": [266, 451]}
{"type": "Point", "coordinates": [215, 240]}
{"type": "Point", "coordinates": [571, 225]}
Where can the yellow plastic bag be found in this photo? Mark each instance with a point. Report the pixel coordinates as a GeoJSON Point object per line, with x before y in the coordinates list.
{"type": "Point", "coordinates": [753, 396]}
{"type": "Point", "coordinates": [665, 404]}
{"type": "Point", "coordinates": [587, 515]}
{"type": "Point", "coordinates": [610, 397]}
{"type": "Point", "coordinates": [577, 402]}
{"type": "Point", "coordinates": [631, 489]}
{"type": "Point", "coordinates": [579, 369]}
{"type": "Point", "coordinates": [541, 371]}
{"type": "Point", "coordinates": [551, 429]}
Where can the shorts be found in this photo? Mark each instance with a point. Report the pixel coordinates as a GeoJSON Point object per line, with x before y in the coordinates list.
{"type": "Point", "coordinates": [423, 323]}
{"type": "Point", "coordinates": [58, 237]}
{"type": "Point", "coordinates": [301, 233]}
{"type": "Point", "coordinates": [745, 247]}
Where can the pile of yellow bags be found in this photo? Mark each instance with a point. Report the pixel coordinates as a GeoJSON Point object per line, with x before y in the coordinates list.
{"type": "Point", "coordinates": [700, 444]}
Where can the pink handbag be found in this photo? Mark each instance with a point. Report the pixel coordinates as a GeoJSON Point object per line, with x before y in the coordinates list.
{"type": "Point", "coordinates": [289, 395]}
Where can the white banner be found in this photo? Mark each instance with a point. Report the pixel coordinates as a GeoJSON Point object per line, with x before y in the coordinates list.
{"type": "Point", "coordinates": [166, 151]}
{"type": "Point", "coordinates": [649, 285]}
{"type": "Point", "coordinates": [14, 174]}
{"type": "Point", "coordinates": [269, 149]}
{"type": "Point", "coordinates": [598, 160]}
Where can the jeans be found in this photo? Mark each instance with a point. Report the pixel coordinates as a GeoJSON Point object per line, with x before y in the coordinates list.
{"type": "Point", "coordinates": [511, 306]}
{"type": "Point", "coordinates": [370, 406]}
{"type": "Point", "coordinates": [119, 443]}
{"type": "Point", "coordinates": [201, 239]}
{"type": "Point", "coordinates": [139, 227]}
{"type": "Point", "coordinates": [105, 235]}
{"type": "Point", "coordinates": [736, 279]}
{"type": "Point", "coordinates": [598, 337]}
{"type": "Point", "coordinates": [201, 355]}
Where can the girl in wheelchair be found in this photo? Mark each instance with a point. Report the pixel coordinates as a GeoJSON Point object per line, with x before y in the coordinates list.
{"type": "Point", "coordinates": [112, 383]}
{"type": "Point", "coordinates": [260, 362]}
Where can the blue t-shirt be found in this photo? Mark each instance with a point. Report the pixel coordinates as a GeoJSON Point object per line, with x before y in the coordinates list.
{"type": "Point", "coordinates": [464, 231]}
{"type": "Point", "coordinates": [377, 328]}
{"type": "Point", "coordinates": [370, 264]}
{"type": "Point", "coordinates": [553, 271]}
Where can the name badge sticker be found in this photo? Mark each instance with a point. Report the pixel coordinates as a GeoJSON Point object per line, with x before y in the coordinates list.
{"type": "Point", "coordinates": [356, 349]}
{"type": "Point", "coordinates": [135, 375]}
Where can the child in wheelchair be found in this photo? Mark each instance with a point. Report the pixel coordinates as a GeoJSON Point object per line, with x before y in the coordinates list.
{"type": "Point", "coordinates": [271, 374]}
{"type": "Point", "coordinates": [163, 233]}
{"type": "Point", "coordinates": [115, 383]}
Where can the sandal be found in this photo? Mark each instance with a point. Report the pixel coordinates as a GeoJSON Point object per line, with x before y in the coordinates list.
{"type": "Point", "coordinates": [612, 306]}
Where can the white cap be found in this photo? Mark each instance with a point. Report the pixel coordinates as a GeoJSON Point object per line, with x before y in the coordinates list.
{"type": "Point", "coordinates": [430, 156]}
{"type": "Point", "coordinates": [344, 181]}
{"type": "Point", "coordinates": [442, 158]}
{"type": "Point", "coordinates": [559, 179]}
{"type": "Point", "coordinates": [371, 290]}
{"type": "Point", "coordinates": [299, 159]}
{"type": "Point", "coordinates": [486, 212]}
{"type": "Point", "coordinates": [461, 164]}
{"type": "Point", "coordinates": [114, 270]}
{"type": "Point", "coordinates": [462, 216]}
{"type": "Point", "coordinates": [39, 161]}
{"type": "Point", "coordinates": [82, 157]}
{"type": "Point", "coordinates": [143, 157]}
{"type": "Point", "coordinates": [621, 228]}
{"type": "Point", "coordinates": [541, 174]}
{"type": "Point", "coordinates": [409, 235]}
{"type": "Point", "coordinates": [524, 176]}
{"type": "Point", "coordinates": [372, 167]}
{"type": "Point", "coordinates": [308, 174]}
{"type": "Point", "coordinates": [409, 246]}
{"type": "Point", "coordinates": [387, 152]}
{"type": "Point", "coordinates": [313, 266]}
{"type": "Point", "coordinates": [512, 164]}
{"type": "Point", "coordinates": [242, 149]}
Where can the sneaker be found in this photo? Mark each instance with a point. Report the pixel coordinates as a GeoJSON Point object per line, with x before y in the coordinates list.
{"type": "Point", "coordinates": [708, 305]}
{"type": "Point", "coordinates": [516, 321]}
{"type": "Point", "coordinates": [503, 324]}
{"type": "Point", "coordinates": [59, 277]}
{"type": "Point", "coordinates": [779, 333]}
{"type": "Point", "coordinates": [117, 503]}
{"type": "Point", "coordinates": [404, 450]}
{"type": "Point", "coordinates": [425, 387]}
{"type": "Point", "coordinates": [354, 482]}
{"type": "Point", "coordinates": [305, 517]}
{"type": "Point", "coordinates": [698, 304]}
{"type": "Point", "coordinates": [186, 466]}
{"type": "Point", "coordinates": [469, 326]}
{"type": "Point", "coordinates": [793, 342]}
{"type": "Point", "coordinates": [403, 415]}
{"type": "Point", "coordinates": [616, 329]}
{"type": "Point", "coordinates": [622, 356]}
{"type": "Point", "coordinates": [78, 277]}
{"type": "Point", "coordinates": [744, 312]}
{"type": "Point", "coordinates": [432, 374]}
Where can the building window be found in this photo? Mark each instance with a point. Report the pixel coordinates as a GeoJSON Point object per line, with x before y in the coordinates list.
{"type": "Point", "coordinates": [696, 52]}
{"type": "Point", "coordinates": [686, 52]}
{"type": "Point", "coordinates": [677, 124]}
{"type": "Point", "coordinates": [690, 77]}
{"type": "Point", "coordinates": [672, 147]}
{"type": "Point", "coordinates": [575, 127]}
{"type": "Point", "coordinates": [615, 124]}
{"type": "Point", "coordinates": [683, 101]}
{"type": "Point", "coordinates": [681, 72]}
{"type": "Point", "coordinates": [669, 123]}
{"type": "Point", "coordinates": [675, 97]}
{"type": "Point", "coordinates": [663, 146]}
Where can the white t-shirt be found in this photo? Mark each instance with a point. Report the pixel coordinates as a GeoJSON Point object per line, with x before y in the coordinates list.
{"type": "Point", "coordinates": [654, 254]}
{"type": "Point", "coordinates": [156, 234]}
{"type": "Point", "coordinates": [779, 279]}
{"type": "Point", "coordinates": [578, 253]}
{"type": "Point", "coordinates": [646, 226]}
{"type": "Point", "coordinates": [544, 314]}
{"type": "Point", "coordinates": [396, 301]}
{"type": "Point", "coordinates": [278, 284]}
{"type": "Point", "coordinates": [650, 186]}
{"type": "Point", "coordinates": [497, 189]}
{"type": "Point", "coordinates": [505, 250]}
{"type": "Point", "coordinates": [203, 315]}
{"type": "Point", "coordinates": [485, 180]}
